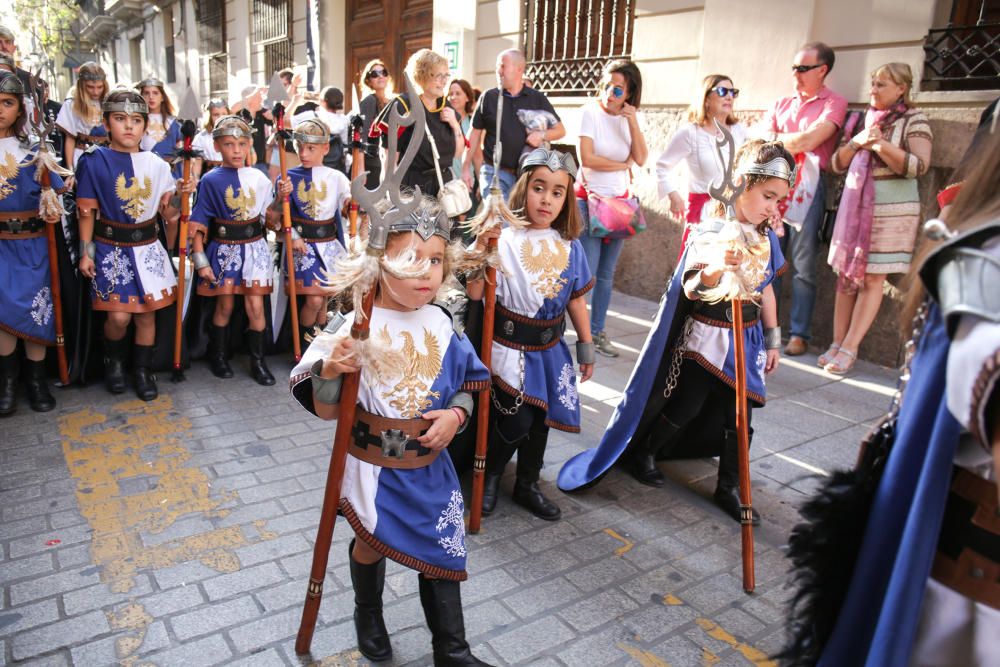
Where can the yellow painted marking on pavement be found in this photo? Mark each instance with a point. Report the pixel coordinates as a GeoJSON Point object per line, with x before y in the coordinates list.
{"type": "Point", "coordinates": [134, 618]}
{"type": "Point", "coordinates": [644, 658]}
{"type": "Point", "coordinates": [143, 444]}
{"type": "Point", "coordinates": [755, 656]}
{"type": "Point", "coordinates": [672, 600]}
{"type": "Point", "coordinates": [708, 658]}
{"type": "Point", "coordinates": [352, 658]}
{"type": "Point", "coordinates": [265, 534]}
{"type": "Point", "coordinates": [628, 544]}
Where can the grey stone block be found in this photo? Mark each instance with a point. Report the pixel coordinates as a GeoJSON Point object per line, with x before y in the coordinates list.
{"type": "Point", "coordinates": [105, 651]}
{"type": "Point", "coordinates": [211, 618]}
{"type": "Point", "coordinates": [190, 573]}
{"type": "Point", "coordinates": [183, 598]}
{"type": "Point", "coordinates": [597, 649]}
{"type": "Point", "coordinates": [100, 596]}
{"type": "Point", "coordinates": [526, 641]}
{"type": "Point", "coordinates": [44, 586]}
{"type": "Point", "coordinates": [486, 585]}
{"type": "Point", "coordinates": [269, 658]}
{"type": "Point", "coordinates": [19, 619]}
{"type": "Point", "coordinates": [534, 599]}
{"type": "Point", "coordinates": [597, 610]}
{"type": "Point", "coordinates": [267, 630]}
{"type": "Point", "coordinates": [602, 573]}
{"type": "Point", "coordinates": [487, 618]}
{"type": "Point", "coordinates": [12, 529]}
{"type": "Point", "coordinates": [20, 568]}
{"type": "Point", "coordinates": [659, 619]}
{"type": "Point", "coordinates": [244, 580]}
{"type": "Point", "coordinates": [285, 471]}
{"type": "Point", "coordinates": [58, 635]}
{"type": "Point", "coordinates": [655, 584]}
{"type": "Point", "coordinates": [542, 565]}
{"type": "Point", "coordinates": [211, 650]}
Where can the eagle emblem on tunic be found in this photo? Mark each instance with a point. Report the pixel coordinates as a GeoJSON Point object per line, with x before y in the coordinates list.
{"type": "Point", "coordinates": [240, 203]}
{"type": "Point", "coordinates": [9, 170]}
{"type": "Point", "coordinates": [156, 130]}
{"type": "Point", "coordinates": [548, 263]}
{"type": "Point", "coordinates": [311, 198]}
{"type": "Point", "coordinates": [133, 194]}
{"type": "Point", "coordinates": [416, 370]}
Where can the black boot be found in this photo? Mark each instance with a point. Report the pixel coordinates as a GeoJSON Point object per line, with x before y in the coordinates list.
{"type": "Point", "coordinates": [530, 457]}
{"type": "Point", "coordinates": [643, 464]}
{"type": "Point", "coordinates": [727, 491]}
{"type": "Point", "coordinates": [39, 397]}
{"type": "Point", "coordinates": [145, 381]}
{"type": "Point", "coordinates": [218, 350]}
{"type": "Point", "coordinates": [114, 365]}
{"type": "Point", "coordinates": [8, 384]}
{"type": "Point", "coordinates": [442, 603]}
{"type": "Point", "coordinates": [528, 495]}
{"type": "Point", "coordinates": [258, 367]}
{"type": "Point", "coordinates": [491, 488]}
{"type": "Point", "coordinates": [369, 581]}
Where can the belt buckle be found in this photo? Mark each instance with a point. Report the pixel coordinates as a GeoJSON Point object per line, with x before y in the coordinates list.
{"type": "Point", "coordinates": [546, 335]}
{"type": "Point", "coordinates": [137, 235]}
{"type": "Point", "coordinates": [249, 230]}
{"type": "Point", "coordinates": [729, 313]}
{"type": "Point", "coordinates": [222, 231]}
{"type": "Point", "coordinates": [508, 328]}
{"type": "Point", "coordinates": [15, 225]}
{"type": "Point", "coordinates": [321, 232]}
{"type": "Point", "coordinates": [394, 443]}
{"type": "Point", "coordinates": [109, 232]}
{"type": "Point", "coordinates": [298, 228]}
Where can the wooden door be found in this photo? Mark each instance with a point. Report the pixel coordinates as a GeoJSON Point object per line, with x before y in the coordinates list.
{"type": "Point", "coordinates": [388, 29]}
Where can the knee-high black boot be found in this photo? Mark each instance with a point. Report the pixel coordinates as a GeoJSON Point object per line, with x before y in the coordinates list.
{"type": "Point", "coordinates": [498, 454]}
{"type": "Point", "coordinates": [258, 367]}
{"type": "Point", "coordinates": [527, 494]}
{"type": "Point", "coordinates": [8, 384]}
{"type": "Point", "coordinates": [145, 381]}
{"type": "Point", "coordinates": [643, 459]}
{"type": "Point", "coordinates": [39, 397]}
{"type": "Point", "coordinates": [369, 582]}
{"type": "Point", "coordinates": [114, 365]}
{"type": "Point", "coordinates": [727, 491]}
{"type": "Point", "coordinates": [218, 350]}
{"type": "Point", "coordinates": [442, 603]}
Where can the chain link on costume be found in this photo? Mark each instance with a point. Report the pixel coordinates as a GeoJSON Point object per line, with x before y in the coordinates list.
{"type": "Point", "coordinates": [519, 399]}
{"type": "Point", "coordinates": [909, 351]}
{"type": "Point", "coordinates": [674, 374]}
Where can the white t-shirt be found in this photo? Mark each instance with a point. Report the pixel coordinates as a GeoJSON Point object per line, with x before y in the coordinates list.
{"type": "Point", "coordinates": [696, 147]}
{"type": "Point", "coordinates": [612, 141]}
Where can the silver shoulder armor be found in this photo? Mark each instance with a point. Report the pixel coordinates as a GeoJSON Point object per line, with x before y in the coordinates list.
{"type": "Point", "coordinates": [964, 278]}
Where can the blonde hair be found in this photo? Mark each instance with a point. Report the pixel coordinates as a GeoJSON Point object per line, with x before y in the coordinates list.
{"type": "Point", "coordinates": [80, 93]}
{"type": "Point", "coordinates": [900, 74]}
{"type": "Point", "coordinates": [698, 111]}
{"type": "Point", "coordinates": [422, 64]}
{"type": "Point", "coordinates": [209, 125]}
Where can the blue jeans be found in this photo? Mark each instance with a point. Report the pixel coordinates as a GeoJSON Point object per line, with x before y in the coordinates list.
{"type": "Point", "coordinates": [486, 180]}
{"type": "Point", "coordinates": [602, 256]}
{"type": "Point", "coordinates": [800, 247]}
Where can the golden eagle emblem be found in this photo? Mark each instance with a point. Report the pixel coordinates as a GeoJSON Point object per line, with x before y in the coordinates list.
{"type": "Point", "coordinates": [550, 263]}
{"type": "Point", "coordinates": [240, 204]}
{"type": "Point", "coordinates": [156, 130]}
{"type": "Point", "coordinates": [416, 371]}
{"type": "Point", "coordinates": [311, 198]}
{"type": "Point", "coordinates": [133, 194]}
{"type": "Point", "coordinates": [9, 170]}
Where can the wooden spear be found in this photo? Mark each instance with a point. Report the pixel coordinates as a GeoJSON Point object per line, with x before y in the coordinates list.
{"type": "Point", "coordinates": [743, 452]}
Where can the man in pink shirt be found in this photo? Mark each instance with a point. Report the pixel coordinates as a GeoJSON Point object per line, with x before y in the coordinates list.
{"type": "Point", "coordinates": [807, 122]}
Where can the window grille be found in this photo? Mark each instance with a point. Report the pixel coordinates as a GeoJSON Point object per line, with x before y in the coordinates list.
{"type": "Point", "coordinates": [211, 18]}
{"type": "Point", "coordinates": [965, 55]}
{"type": "Point", "coordinates": [568, 42]}
{"type": "Point", "coordinates": [272, 28]}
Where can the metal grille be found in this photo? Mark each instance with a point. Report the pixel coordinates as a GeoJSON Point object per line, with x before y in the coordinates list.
{"type": "Point", "coordinates": [272, 28]}
{"type": "Point", "coordinates": [962, 58]}
{"type": "Point", "coordinates": [568, 42]}
{"type": "Point", "coordinates": [277, 56]}
{"type": "Point", "coordinates": [211, 18]}
{"type": "Point", "coordinates": [218, 82]}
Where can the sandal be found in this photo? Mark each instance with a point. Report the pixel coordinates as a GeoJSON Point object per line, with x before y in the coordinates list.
{"type": "Point", "coordinates": [841, 368]}
{"type": "Point", "coordinates": [828, 356]}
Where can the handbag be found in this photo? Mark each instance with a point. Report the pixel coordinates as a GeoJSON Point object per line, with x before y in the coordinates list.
{"type": "Point", "coordinates": [614, 217]}
{"type": "Point", "coordinates": [453, 196]}
{"type": "Point", "coordinates": [835, 184]}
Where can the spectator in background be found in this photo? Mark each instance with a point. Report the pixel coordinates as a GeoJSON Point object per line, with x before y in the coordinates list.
{"type": "Point", "coordinates": [806, 123]}
{"type": "Point", "coordinates": [462, 99]}
{"type": "Point", "coordinates": [331, 112]}
{"type": "Point", "coordinates": [879, 212]}
{"type": "Point", "coordinates": [203, 141]}
{"type": "Point", "coordinates": [375, 77]}
{"type": "Point", "coordinates": [251, 106]}
{"type": "Point", "coordinates": [610, 143]}
{"type": "Point", "coordinates": [695, 145]}
{"type": "Point", "coordinates": [514, 136]}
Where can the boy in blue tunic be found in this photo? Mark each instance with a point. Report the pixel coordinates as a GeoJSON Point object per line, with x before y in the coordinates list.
{"type": "Point", "coordinates": [120, 189]}
{"type": "Point", "coordinates": [545, 277]}
{"type": "Point", "coordinates": [685, 376]}
{"type": "Point", "coordinates": [400, 497]}
{"type": "Point", "coordinates": [26, 309]}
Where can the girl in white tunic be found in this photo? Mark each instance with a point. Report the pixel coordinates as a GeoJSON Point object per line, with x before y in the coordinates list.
{"type": "Point", "coordinates": [81, 118]}
{"type": "Point", "coordinates": [210, 157]}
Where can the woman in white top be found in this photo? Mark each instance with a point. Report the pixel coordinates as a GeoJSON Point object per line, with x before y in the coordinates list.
{"type": "Point", "coordinates": [203, 141]}
{"type": "Point", "coordinates": [694, 144]}
{"type": "Point", "coordinates": [610, 143]}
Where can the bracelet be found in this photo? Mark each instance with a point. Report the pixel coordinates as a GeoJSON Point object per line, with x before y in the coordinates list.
{"type": "Point", "coordinates": [463, 401]}
{"type": "Point", "coordinates": [461, 414]}
{"type": "Point", "coordinates": [772, 338]}
{"type": "Point", "coordinates": [585, 352]}
{"type": "Point", "coordinates": [88, 248]}
{"type": "Point", "coordinates": [200, 260]}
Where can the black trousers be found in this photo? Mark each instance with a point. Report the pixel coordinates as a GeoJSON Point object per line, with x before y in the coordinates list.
{"type": "Point", "coordinates": [524, 432]}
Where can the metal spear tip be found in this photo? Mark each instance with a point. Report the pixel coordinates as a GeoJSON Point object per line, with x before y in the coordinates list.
{"type": "Point", "coordinates": [189, 109]}
{"type": "Point", "coordinates": [276, 92]}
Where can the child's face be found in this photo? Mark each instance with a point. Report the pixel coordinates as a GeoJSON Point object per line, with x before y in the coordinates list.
{"type": "Point", "coordinates": [311, 155]}
{"type": "Point", "coordinates": [547, 191]}
{"type": "Point", "coordinates": [94, 89]}
{"type": "Point", "coordinates": [760, 202]}
{"type": "Point", "coordinates": [10, 109]}
{"type": "Point", "coordinates": [217, 112]}
{"type": "Point", "coordinates": [125, 129]}
{"type": "Point", "coordinates": [153, 97]}
{"type": "Point", "coordinates": [413, 293]}
{"type": "Point", "coordinates": [234, 150]}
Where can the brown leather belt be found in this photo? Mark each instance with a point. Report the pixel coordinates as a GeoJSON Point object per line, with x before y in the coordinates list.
{"type": "Point", "coordinates": [390, 443]}
{"type": "Point", "coordinates": [524, 333]}
{"type": "Point", "coordinates": [21, 225]}
{"type": "Point", "coordinates": [315, 230]}
{"type": "Point", "coordinates": [125, 233]}
{"type": "Point", "coordinates": [83, 140]}
{"type": "Point", "coordinates": [721, 314]}
{"type": "Point", "coordinates": [968, 550]}
{"type": "Point", "coordinates": [236, 231]}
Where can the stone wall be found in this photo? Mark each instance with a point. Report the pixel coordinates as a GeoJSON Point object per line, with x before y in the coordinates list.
{"type": "Point", "coordinates": [648, 261]}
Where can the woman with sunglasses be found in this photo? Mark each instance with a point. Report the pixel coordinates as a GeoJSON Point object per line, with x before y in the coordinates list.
{"type": "Point", "coordinates": [694, 144]}
{"type": "Point", "coordinates": [610, 143]}
{"type": "Point", "coordinates": [375, 78]}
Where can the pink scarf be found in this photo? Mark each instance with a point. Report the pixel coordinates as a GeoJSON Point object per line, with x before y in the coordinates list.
{"type": "Point", "coordinates": [852, 231]}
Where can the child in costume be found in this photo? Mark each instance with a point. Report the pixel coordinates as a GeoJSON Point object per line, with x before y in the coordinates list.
{"type": "Point", "coordinates": [26, 309]}
{"type": "Point", "coordinates": [545, 277]}
{"type": "Point", "coordinates": [231, 254]}
{"type": "Point", "coordinates": [317, 194]}
{"type": "Point", "coordinates": [163, 132]}
{"type": "Point", "coordinates": [402, 499]}
{"type": "Point", "coordinates": [119, 191]}
{"type": "Point", "coordinates": [685, 376]}
{"type": "Point", "coordinates": [81, 119]}
{"type": "Point", "coordinates": [204, 143]}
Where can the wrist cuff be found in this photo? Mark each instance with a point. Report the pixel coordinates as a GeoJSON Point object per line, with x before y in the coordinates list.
{"type": "Point", "coordinates": [200, 260]}
{"type": "Point", "coordinates": [88, 248]}
{"type": "Point", "coordinates": [325, 390]}
{"type": "Point", "coordinates": [585, 353]}
{"type": "Point", "coordinates": [772, 338]}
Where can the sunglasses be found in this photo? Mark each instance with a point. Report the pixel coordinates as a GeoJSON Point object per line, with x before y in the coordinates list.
{"type": "Point", "coordinates": [722, 91]}
{"type": "Point", "coordinates": [377, 73]}
{"type": "Point", "coordinates": [802, 69]}
{"type": "Point", "coordinates": [616, 91]}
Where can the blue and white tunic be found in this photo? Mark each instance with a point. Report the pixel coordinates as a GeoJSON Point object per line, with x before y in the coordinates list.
{"type": "Point", "coordinates": [413, 515]}
{"type": "Point", "coordinates": [127, 188]}
{"type": "Point", "coordinates": [163, 134]}
{"type": "Point", "coordinates": [542, 273]}
{"type": "Point", "coordinates": [318, 194]}
{"type": "Point", "coordinates": [710, 343]}
{"type": "Point", "coordinates": [78, 127]}
{"type": "Point", "coordinates": [25, 283]}
{"type": "Point", "coordinates": [205, 144]}
{"type": "Point", "coordinates": [225, 196]}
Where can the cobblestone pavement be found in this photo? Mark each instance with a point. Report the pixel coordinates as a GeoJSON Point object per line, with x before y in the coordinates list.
{"type": "Point", "coordinates": [180, 532]}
